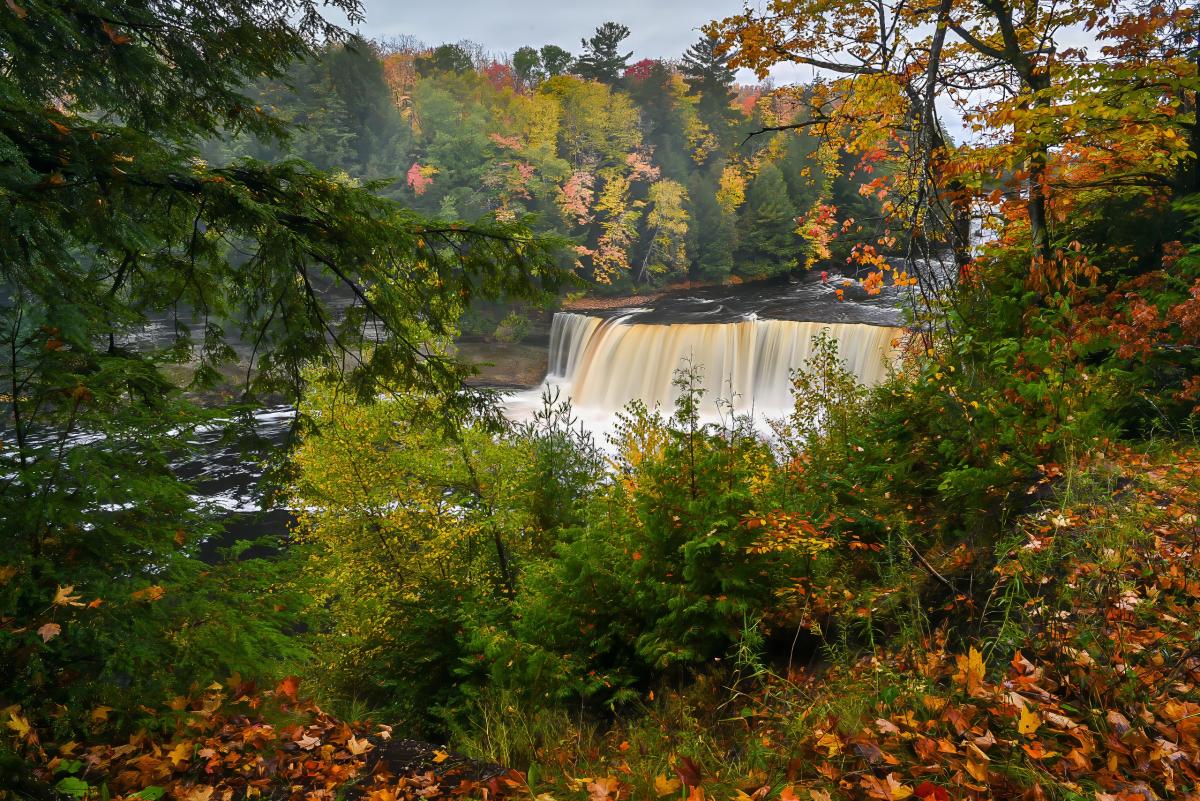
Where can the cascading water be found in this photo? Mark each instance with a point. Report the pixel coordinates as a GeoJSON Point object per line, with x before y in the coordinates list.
{"type": "Point", "coordinates": [601, 365]}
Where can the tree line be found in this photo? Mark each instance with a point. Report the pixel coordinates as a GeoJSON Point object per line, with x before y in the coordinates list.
{"type": "Point", "coordinates": [649, 168]}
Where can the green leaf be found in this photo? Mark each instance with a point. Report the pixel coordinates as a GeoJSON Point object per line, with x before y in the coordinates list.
{"type": "Point", "coordinates": [73, 786]}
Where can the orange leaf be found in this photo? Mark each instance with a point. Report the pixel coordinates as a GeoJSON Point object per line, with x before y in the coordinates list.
{"type": "Point", "coordinates": [288, 688]}
{"type": "Point", "coordinates": [63, 597]}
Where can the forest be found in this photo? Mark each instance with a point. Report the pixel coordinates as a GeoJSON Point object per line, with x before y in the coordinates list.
{"type": "Point", "coordinates": [245, 242]}
{"type": "Point", "coordinates": [649, 168]}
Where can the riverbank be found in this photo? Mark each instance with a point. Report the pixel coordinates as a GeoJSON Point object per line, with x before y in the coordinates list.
{"type": "Point", "coordinates": [1098, 699]}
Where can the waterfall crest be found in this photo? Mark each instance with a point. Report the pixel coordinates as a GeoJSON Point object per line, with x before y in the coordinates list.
{"type": "Point", "coordinates": [604, 364]}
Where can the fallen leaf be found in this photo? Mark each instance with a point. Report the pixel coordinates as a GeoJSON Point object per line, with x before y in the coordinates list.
{"type": "Point", "coordinates": [688, 771]}
{"type": "Point", "coordinates": [358, 747]}
{"type": "Point", "coordinates": [182, 752]}
{"type": "Point", "coordinates": [1029, 722]}
{"type": "Point", "coordinates": [664, 786]}
{"type": "Point", "coordinates": [49, 631]}
{"type": "Point", "coordinates": [288, 688]}
{"type": "Point", "coordinates": [18, 724]}
{"type": "Point", "coordinates": [439, 757]}
{"type": "Point", "coordinates": [63, 597]}
{"type": "Point", "coordinates": [970, 671]}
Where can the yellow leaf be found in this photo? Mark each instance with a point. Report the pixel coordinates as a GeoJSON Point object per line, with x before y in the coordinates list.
{"type": "Point", "coordinates": [100, 714]}
{"type": "Point", "coordinates": [831, 743]}
{"type": "Point", "coordinates": [182, 752]}
{"type": "Point", "coordinates": [18, 724]}
{"type": "Point", "coordinates": [63, 597]}
{"type": "Point", "coordinates": [439, 757]}
{"type": "Point", "coordinates": [898, 791]}
{"type": "Point", "coordinates": [970, 671]}
{"type": "Point", "coordinates": [1029, 722]}
{"type": "Point", "coordinates": [664, 786]}
{"type": "Point", "coordinates": [152, 593]}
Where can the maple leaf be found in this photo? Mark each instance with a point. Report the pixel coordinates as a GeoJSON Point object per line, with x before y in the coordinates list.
{"type": "Point", "coordinates": [932, 791]}
{"type": "Point", "coordinates": [970, 671]}
{"type": "Point", "coordinates": [1029, 722]}
{"type": "Point", "coordinates": [18, 724]}
{"type": "Point", "coordinates": [153, 593]}
{"type": "Point", "coordinates": [288, 688]}
{"type": "Point", "coordinates": [358, 747]}
{"type": "Point", "coordinates": [831, 743]}
{"type": "Point", "coordinates": [602, 789]}
{"type": "Point", "coordinates": [886, 726]}
{"type": "Point", "coordinates": [114, 36]}
{"type": "Point", "coordinates": [63, 597]}
{"type": "Point", "coordinates": [439, 757]}
{"type": "Point", "coordinates": [688, 771]}
{"type": "Point", "coordinates": [182, 752]}
{"type": "Point", "coordinates": [896, 789]}
{"type": "Point", "coordinates": [664, 786]}
{"type": "Point", "coordinates": [49, 631]}
{"type": "Point", "coordinates": [308, 742]}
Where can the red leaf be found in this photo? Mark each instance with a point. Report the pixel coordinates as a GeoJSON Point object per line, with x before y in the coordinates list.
{"type": "Point", "coordinates": [932, 791]}
{"type": "Point", "coordinates": [688, 771]}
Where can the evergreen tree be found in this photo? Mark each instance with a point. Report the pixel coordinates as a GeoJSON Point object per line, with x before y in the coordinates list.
{"type": "Point", "coordinates": [712, 79]}
{"type": "Point", "coordinates": [602, 60]}
{"type": "Point", "coordinates": [707, 70]}
{"type": "Point", "coordinates": [769, 244]}
{"type": "Point", "coordinates": [109, 220]}
{"type": "Point", "coordinates": [714, 230]}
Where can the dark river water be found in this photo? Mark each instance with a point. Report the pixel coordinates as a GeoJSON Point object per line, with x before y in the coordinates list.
{"type": "Point", "coordinates": [226, 480]}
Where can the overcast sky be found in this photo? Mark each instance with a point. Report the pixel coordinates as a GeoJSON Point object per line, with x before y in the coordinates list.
{"type": "Point", "coordinates": [658, 28]}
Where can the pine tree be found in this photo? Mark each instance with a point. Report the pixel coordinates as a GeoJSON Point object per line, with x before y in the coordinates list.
{"type": "Point", "coordinates": [710, 76]}
{"type": "Point", "coordinates": [111, 220]}
{"type": "Point", "coordinates": [601, 59]}
{"type": "Point", "coordinates": [707, 70]}
{"type": "Point", "coordinates": [769, 244]}
{"type": "Point", "coordinates": [714, 230]}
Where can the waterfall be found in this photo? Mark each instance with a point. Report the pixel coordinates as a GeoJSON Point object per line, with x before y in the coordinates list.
{"type": "Point", "coordinates": [604, 364]}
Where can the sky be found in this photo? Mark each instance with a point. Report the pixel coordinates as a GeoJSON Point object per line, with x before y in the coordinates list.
{"type": "Point", "coordinates": [658, 28]}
